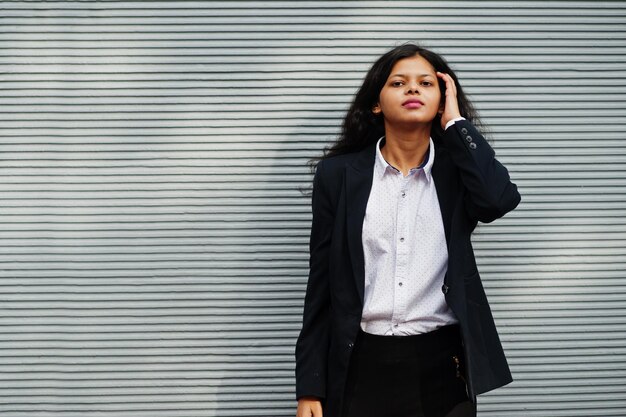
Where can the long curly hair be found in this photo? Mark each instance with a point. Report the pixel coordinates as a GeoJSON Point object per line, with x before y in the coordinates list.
{"type": "Point", "coordinates": [361, 127]}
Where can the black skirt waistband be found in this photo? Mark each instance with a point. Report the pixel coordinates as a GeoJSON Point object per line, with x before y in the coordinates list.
{"type": "Point", "coordinates": [422, 344]}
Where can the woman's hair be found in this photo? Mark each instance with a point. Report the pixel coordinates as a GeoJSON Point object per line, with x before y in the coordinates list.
{"type": "Point", "coordinates": [361, 127]}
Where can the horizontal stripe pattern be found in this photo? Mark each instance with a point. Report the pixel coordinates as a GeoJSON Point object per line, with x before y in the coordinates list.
{"type": "Point", "coordinates": [154, 229]}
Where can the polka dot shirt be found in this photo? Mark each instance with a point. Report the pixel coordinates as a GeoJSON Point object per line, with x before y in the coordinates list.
{"type": "Point", "coordinates": [405, 250]}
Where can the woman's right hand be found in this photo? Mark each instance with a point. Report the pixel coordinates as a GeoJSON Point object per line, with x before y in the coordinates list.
{"type": "Point", "coordinates": [309, 407]}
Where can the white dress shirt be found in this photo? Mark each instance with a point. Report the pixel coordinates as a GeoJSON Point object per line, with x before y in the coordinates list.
{"type": "Point", "coordinates": [405, 251]}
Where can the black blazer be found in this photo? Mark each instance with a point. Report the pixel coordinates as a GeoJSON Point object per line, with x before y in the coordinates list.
{"type": "Point", "coordinates": [471, 186]}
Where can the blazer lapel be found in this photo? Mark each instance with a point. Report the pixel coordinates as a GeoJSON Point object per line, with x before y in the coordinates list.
{"type": "Point", "coordinates": [359, 176]}
{"type": "Point", "coordinates": [445, 188]}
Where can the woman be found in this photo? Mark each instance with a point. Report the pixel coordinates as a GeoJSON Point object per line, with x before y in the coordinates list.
{"type": "Point", "coordinates": [396, 322]}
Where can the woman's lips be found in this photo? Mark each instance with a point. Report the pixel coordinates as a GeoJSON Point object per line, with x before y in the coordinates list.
{"type": "Point", "coordinates": [412, 104]}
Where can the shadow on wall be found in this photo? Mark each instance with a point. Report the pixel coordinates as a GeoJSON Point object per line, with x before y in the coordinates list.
{"type": "Point", "coordinates": [156, 235]}
{"type": "Point", "coordinates": [269, 217]}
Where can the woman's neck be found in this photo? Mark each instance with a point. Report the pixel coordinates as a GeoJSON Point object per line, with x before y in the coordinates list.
{"type": "Point", "coordinates": [406, 149]}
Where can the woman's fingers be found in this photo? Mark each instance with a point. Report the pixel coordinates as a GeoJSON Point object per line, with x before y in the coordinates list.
{"type": "Point", "coordinates": [448, 88]}
{"type": "Point", "coordinates": [309, 408]}
{"type": "Point", "coordinates": [317, 409]}
{"type": "Point", "coordinates": [450, 84]}
{"type": "Point", "coordinates": [451, 104]}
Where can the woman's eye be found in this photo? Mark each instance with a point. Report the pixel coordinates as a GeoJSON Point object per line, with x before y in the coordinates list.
{"type": "Point", "coordinates": [427, 83]}
{"type": "Point", "coordinates": [396, 83]}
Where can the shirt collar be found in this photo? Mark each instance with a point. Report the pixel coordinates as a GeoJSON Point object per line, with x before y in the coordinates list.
{"type": "Point", "coordinates": [381, 166]}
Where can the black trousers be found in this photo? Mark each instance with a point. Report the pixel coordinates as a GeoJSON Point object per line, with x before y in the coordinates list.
{"type": "Point", "coordinates": [408, 376]}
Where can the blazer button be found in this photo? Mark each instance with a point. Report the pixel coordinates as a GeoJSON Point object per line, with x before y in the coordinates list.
{"type": "Point", "coordinates": [350, 345]}
{"type": "Point", "coordinates": [468, 138]}
{"type": "Point", "coordinates": [445, 289]}
{"type": "Point", "coordinates": [464, 131]}
{"type": "Point", "coordinates": [472, 145]}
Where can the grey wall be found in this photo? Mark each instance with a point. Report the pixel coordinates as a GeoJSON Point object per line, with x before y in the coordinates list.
{"type": "Point", "coordinates": [153, 239]}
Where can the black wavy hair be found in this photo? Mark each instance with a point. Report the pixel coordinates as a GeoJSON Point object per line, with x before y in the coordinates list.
{"type": "Point", "coordinates": [361, 127]}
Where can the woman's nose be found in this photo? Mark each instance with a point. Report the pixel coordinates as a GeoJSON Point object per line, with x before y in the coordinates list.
{"type": "Point", "coordinates": [412, 89]}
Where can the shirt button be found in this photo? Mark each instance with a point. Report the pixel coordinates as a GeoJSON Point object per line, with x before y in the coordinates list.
{"type": "Point", "coordinates": [400, 284]}
{"type": "Point", "coordinates": [350, 345]}
{"type": "Point", "coordinates": [395, 325]}
{"type": "Point", "coordinates": [401, 239]}
{"type": "Point", "coordinates": [468, 138]}
{"type": "Point", "coordinates": [445, 289]}
{"type": "Point", "coordinates": [472, 145]}
{"type": "Point", "coordinates": [403, 194]}
{"type": "Point", "coordinates": [464, 131]}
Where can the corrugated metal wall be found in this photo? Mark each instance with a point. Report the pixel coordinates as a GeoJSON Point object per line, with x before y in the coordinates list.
{"type": "Point", "coordinates": [153, 240]}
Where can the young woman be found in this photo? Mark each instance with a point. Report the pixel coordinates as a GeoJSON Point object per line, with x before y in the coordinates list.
{"type": "Point", "coordinates": [396, 321]}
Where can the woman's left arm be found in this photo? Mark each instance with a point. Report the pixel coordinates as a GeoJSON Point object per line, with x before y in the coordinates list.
{"type": "Point", "coordinates": [491, 194]}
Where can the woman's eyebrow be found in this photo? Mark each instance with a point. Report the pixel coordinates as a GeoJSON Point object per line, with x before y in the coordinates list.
{"type": "Point", "coordinates": [420, 75]}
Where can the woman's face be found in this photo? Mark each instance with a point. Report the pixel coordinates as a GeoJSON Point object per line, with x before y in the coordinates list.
{"type": "Point", "coordinates": [411, 94]}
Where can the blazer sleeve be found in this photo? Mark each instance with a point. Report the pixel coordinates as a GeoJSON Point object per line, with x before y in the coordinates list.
{"type": "Point", "coordinates": [491, 194]}
{"type": "Point", "coordinates": [312, 344]}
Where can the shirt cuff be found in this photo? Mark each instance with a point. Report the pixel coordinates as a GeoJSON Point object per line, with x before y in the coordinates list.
{"type": "Point", "coordinates": [453, 121]}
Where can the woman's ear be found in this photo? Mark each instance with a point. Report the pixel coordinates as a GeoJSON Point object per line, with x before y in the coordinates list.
{"type": "Point", "coordinates": [376, 109]}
